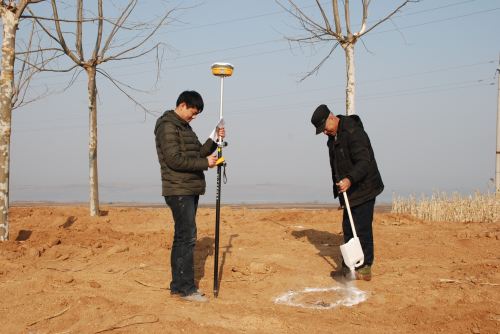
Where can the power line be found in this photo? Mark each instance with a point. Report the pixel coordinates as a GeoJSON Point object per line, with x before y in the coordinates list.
{"type": "Point", "coordinates": [283, 40]}
{"type": "Point", "coordinates": [395, 93]}
{"type": "Point", "coordinates": [402, 76]}
{"type": "Point", "coordinates": [407, 27]}
{"type": "Point", "coordinates": [434, 9]}
{"type": "Point", "coordinates": [359, 83]}
{"type": "Point", "coordinates": [439, 21]}
{"type": "Point", "coordinates": [413, 74]}
{"type": "Point", "coordinates": [282, 12]}
{"type": "Point", "coordinates": [253, 55]}
{"type": "Point", "coordinates": [429, 89]}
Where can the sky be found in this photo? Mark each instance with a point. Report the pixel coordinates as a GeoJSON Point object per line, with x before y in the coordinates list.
{"type": "Point", "coordinates": [426, 91]}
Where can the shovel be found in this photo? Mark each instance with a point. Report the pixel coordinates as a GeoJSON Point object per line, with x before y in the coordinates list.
{"type": "Point", "coordinates": [351, 250]}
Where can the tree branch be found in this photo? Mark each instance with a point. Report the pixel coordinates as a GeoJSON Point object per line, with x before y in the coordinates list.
{"type": "Point", "coordinates": [151, 34]}
{"type": "Point", "coordinates": [118, 55]}
{"type": "Point", "coordinates": [99, 31]}
{"type": "Point", "coordinates": [21, 6]}
{"type": "Point", "coordinates": [119, 23]}
{"type": "Point", "coordinates": [60, 35]}
{"type": "Point", "coordinates": [325, 18]}
{"type": "Point", "coordinates": [347, 20]}
{"type": "Point", "coordinates": [133, 56]}
{"type": "Point", "coordinates": [17, 87]}
{"type": "Point", "coordinates": [79, 30]}
{"type": "Point", "coordinates": [42, 69]}
{"type": "Point", "coordinates": [366, 3]}
{"type": "Point", "coordinates": [130, 97]}
{"type": "Point", "coordinates": [316, 69]}
{"type": "Point", "coordinates": [24, 76]}
{"type": "Point", "coordinates": [305, 19]}
{"type": "Point", "coordinates": [336, 16]}
{"type": "Point", "coordinates": [126, 51]}
{"type": "Point", "coordinates": [39, 50]}
{"type": "Point", "coordinates": [387, 17]}
{"type": "Point", "coordinates": [88, 20]}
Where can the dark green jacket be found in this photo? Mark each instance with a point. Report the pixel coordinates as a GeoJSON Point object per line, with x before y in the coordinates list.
{"type": "Point", "coordinates": [181, 155]}
{"type": "Point", "coordinates": [351, 156]}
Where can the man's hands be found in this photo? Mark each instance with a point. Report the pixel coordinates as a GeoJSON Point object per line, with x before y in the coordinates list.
{"type": "Point", "coordinates": [343, 184]}
{"type": "Point", "coordinates": [212, 159]}
{"type": "Point", "coordinates": [221, 133]}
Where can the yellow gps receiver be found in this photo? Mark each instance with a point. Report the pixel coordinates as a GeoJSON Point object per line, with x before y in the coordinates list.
{"type": "Point", "coordinates": [222, 69]}
{"type": "Point", "coordinates": [220, 161]}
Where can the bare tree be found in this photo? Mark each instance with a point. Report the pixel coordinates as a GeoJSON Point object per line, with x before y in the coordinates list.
{"type": "Point", "coordinates": [25, 73]}
{"type": "Point", "coordinates": [10, 14]}
{"type": "Point", "coordinates": [105, 49]}
{"type": "Point", "coordinates": [322, 31]}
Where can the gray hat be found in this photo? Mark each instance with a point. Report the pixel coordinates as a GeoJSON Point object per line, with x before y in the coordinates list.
{"type": "Point", "coordinates": [319, 117]}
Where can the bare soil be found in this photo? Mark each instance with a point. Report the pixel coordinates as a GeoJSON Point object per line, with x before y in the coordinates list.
{"type": "Point", "coordinates": [65, 272]}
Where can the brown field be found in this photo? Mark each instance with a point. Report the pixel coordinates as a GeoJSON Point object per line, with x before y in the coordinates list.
{"type": "Point", "coordinates": [64, 272]}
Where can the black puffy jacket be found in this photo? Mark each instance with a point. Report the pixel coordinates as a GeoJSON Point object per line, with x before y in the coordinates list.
{"type": "Point", "coordinates": [182, 157]}
{"type": "Point", "coordinates": [351, 156]}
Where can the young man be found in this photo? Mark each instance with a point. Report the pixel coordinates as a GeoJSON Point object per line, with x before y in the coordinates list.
{"type": "Point", "coordinates": [183, 160]}
{"type": "Point", "coordinates": [355, 171]}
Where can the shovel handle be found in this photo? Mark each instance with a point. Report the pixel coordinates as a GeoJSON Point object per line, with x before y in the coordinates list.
{"type": "Point", "coordinates": [346, 201]}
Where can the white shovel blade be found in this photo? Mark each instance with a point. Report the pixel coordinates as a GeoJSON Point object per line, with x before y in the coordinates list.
{"type": "Point", "coordinates": [352, 253]}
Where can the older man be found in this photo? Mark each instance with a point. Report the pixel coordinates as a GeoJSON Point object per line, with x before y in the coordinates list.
{"type": "Point", "coordinates": [355, 171]}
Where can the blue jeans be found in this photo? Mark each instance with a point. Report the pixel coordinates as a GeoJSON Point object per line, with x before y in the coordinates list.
{"type": "Point", "coordinates": [362, 215]}
{"type": "Point", "coordinates": [182, 256]}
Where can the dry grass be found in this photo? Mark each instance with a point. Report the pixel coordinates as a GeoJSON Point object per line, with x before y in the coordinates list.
{"type": "Point", "coordinates": [455, 207]}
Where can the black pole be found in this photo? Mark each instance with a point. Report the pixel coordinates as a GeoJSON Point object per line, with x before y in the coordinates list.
{"type": "Point", "coordinates": [217, 223]}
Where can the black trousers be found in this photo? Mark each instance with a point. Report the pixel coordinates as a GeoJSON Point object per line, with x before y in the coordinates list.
{"type": "Point", "coordinates": [362, 216]}
{"type": "Point", "coordinates": [182, 256]}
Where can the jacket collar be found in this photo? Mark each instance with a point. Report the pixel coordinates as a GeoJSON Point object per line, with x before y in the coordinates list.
{"type": "Point", "coordinates": [172, 115]}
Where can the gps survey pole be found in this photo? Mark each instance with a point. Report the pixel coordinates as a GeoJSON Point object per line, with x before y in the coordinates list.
{"type": "Point", "coordinates": [221, 70]}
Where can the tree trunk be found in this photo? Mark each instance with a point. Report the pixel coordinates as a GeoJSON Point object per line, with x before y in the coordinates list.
{"type": "Point", "coordinates": [497, 167]}
{"type": "Point", "coordinates": [6, 90]}
{"type": "Point", "coordinates": [350, 90]}
{"type": "Point", "coordinates": [94, 184]}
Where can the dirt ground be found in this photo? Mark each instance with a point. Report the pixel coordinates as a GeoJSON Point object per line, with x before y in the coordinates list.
{"type": "Point", "coordinates": [64, 272]}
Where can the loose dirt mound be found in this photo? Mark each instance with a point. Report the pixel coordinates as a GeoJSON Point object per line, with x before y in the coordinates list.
{"type": "Point", "coordinates": [64, 272]}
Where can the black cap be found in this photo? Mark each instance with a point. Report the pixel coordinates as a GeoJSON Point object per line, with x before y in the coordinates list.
{"type": "Point", "coordinates": [319, 117]}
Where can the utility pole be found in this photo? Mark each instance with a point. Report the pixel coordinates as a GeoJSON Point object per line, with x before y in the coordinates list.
{"type": "Point", "coordinates": [497, 174]}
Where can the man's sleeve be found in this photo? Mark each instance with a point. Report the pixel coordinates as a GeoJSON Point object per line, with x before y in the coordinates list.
{"type": "Point", "coordinates": [359, 147]}
{"type": "Point", "coordinates": [208, 148]}
{"type": "Point", "coordinates": [170, 146]}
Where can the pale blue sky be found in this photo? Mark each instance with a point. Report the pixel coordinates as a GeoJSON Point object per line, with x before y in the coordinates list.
{"type": "Point", "coordinates": [426, 91]}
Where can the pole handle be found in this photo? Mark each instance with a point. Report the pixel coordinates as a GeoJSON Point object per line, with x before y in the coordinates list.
{"type": "Point", "coordinates": [346, 201]}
